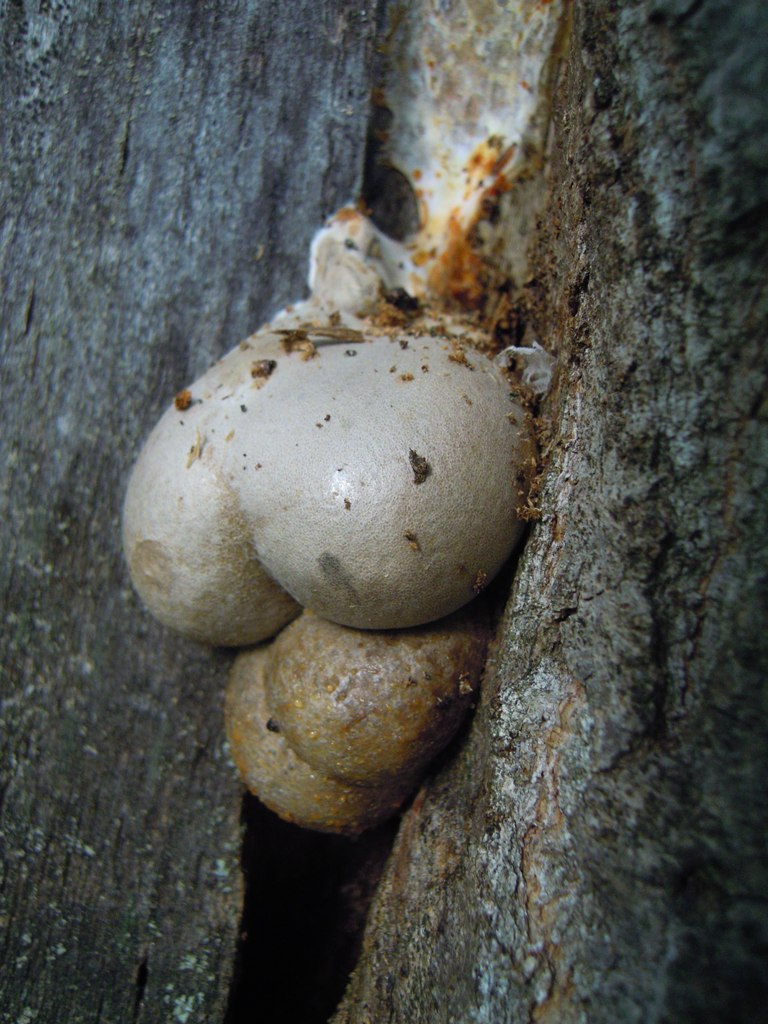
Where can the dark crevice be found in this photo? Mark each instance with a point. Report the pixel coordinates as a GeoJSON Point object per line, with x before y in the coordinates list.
{"type": "Point", "coordinates": [125, 148]}
{"type": "Point", "coordinates": [562, 614]}
{"type": "Point", "coordinates": [689, 12]}
{"type": "Point", "coordinates": [306, 899]}
{"type": "Point", "coordinates": [142, 976]}
{"type": "Point", "coordinates": [388, 195]}
{"type": "Point", "coordinates": [29, 311]}
{"type": "Point", "coordinates": [660, 17]}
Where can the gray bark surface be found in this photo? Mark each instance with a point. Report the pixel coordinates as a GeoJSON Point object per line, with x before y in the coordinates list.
{"type": "Point", "coordinates": [597, 850]}
{"type": "Point", "coordinates": [163, 169]}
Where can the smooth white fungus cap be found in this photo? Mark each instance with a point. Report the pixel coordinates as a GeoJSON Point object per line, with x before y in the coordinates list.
{"type": "Point", "coordinates": [187, 540]}
{"type": "Point", "coordinates": [389, 478]}
{"type": "Point", "coordinates": [375, 480]}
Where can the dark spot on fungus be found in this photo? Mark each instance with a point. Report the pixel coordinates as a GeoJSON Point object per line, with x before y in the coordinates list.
{"type": "Point", "coordinates": [272, 725]}
{"type": "Point", "coordinates": [334, 571]}
{"type": "Point", "coordinates": [262, 368]}
{"type": "Point", "coordinates": [298, 341]}
{"type": "Point", "coordinates": [458, 355]}
{"type": "Point", "coordinates": [350, 352]}
{"type": "Point", "coordinates": [347, 504]}
{"type": "Point", "coordinates": [420, 467]}
{"type": "Point", "coordinates": [243, 408]}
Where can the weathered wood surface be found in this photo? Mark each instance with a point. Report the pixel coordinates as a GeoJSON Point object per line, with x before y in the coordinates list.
{"type": "Point", "coordinates": [163, 168]}
{"type": "Point", "coordinates": [597, 852]}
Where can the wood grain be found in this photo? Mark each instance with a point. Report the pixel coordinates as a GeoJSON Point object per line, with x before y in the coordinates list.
{"type": "Point", "coordinates": [164, 168]}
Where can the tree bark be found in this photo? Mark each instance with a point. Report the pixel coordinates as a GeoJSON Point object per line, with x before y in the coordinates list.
{"type": "Point", "coordinates": [596, 852]}
{"type": "Point", "coordinates": [164, 168]}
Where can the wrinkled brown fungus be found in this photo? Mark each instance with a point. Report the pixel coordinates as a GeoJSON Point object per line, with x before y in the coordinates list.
{"type": "Point", "coordinates": [333, 727]}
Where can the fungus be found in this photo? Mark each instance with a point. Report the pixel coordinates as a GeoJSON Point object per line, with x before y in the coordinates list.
{"type": "Point", "coordinates": [187, 540]}
{"type": "Point", "coordinates": [226, 554]}
{"type": "Point", "coordinates": [352, 458]}
{"type": "Point", "coordinates": [332, 728]}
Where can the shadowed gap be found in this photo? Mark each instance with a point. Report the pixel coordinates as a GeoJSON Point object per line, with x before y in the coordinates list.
{"type": "Point", "coordinates": [306, 899]}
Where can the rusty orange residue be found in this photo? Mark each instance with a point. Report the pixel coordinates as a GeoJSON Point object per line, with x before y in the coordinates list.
{"type": "Point", "coordinates": [458, 270]}
{"type": "Point", "coordinates": [416, 174]}
{"type": "Point", "coordinates": [458, 273]}
{"type": "Point", "coordinates": [489, 158]}
{"type": "Point", "coordinates": [478, 161]}
{"type": "Point", "coordinates": [346, 213]}
{"type": "Point", "coordinates": [421, 257]}
{"type": "Point", "coordinates": [501, 185]}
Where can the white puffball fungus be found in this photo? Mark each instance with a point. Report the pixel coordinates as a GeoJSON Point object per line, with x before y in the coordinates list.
{"type": "Point", "coordinates": [373, 478]}
{"type": "Point", "coordinates": [332, 728]}
{"type": "Point", "coordinates": [187, 539]}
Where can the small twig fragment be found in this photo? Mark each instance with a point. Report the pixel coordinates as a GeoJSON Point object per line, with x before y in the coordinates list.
{"type": "Point", "coordinates": [196, 450]}
{"type": "Point", "coordinates": [413, 540]}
